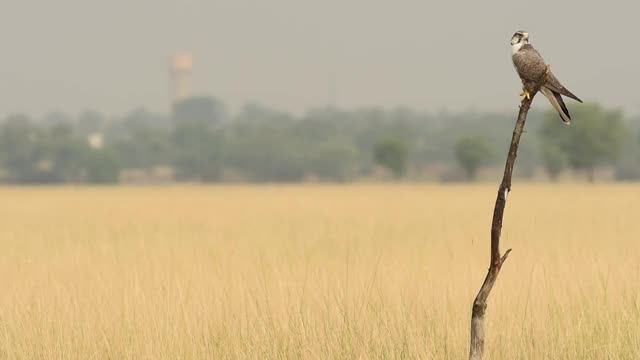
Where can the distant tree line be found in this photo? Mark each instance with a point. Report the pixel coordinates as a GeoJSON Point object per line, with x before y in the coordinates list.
{"type": "Point", "coordinates": [200, 142]}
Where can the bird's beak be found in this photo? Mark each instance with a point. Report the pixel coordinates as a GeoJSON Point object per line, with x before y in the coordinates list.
{"type": "Point", "coordinates": [525, 35]}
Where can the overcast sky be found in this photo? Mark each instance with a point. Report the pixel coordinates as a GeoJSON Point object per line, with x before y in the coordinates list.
{"type": "Point", "coordinates": [69, 55]}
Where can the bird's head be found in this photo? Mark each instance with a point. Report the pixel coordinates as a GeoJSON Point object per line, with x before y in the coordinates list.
{"type": "Point", "coordinates": [518, 39]}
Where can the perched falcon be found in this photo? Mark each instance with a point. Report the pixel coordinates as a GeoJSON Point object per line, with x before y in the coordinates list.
{"type": "Point", "coordinates": [534, 73]}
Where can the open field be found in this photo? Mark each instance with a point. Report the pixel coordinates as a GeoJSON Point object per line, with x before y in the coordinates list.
{"type": "Point", "coordinates": [316, 272]}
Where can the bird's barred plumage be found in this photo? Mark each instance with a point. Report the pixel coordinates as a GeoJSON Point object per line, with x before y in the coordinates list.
{"type": "Point", "coordinates": [535, 74]}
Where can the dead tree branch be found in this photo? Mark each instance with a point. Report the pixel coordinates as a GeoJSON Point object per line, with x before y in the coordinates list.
{"type": "Point", "coordinates": [476, 351]}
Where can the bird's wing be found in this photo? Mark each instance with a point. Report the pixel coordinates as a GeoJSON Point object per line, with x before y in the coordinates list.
{"type": "Point", "coordinates": [529, 64]}
{"type": "Point", "coordinates": [554, 84]}
{"type": "Point", "coordinates": [556, 101]}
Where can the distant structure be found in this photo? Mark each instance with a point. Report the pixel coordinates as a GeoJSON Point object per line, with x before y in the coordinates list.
{"type": "Point", "coordinates": [181, 67]}
{"type": "Point", "coordinates": [95, 141]}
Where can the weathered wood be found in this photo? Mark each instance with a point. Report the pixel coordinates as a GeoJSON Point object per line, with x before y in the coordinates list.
{"type": "Point", "coordinates": [476, 350]}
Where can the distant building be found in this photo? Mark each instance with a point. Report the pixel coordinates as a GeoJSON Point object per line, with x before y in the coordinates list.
{"type": "Point", "coordinates": [95, 140]}
{"type": "Point", "coordinates": [186, 107]}
{"type": "Point", "coordinates": [181, 67]}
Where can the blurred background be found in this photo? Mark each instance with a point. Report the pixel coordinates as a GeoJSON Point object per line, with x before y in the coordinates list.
{"type": "Point", "coordinates": [301, 91]}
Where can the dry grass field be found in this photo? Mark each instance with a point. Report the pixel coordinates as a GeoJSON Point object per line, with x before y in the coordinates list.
{"type": "Point", "coordinates": [316, 272]}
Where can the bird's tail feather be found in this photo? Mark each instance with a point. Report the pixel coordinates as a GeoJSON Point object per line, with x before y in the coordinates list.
{"type": "Point", "coordinates": [556, 101]}
{"type": "Point", "coordinates": [554, 84]}
{"type": "Point", "coordinates": [568, 93]}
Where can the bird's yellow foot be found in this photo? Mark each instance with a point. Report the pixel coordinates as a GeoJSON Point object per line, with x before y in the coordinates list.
{"type": "Point", "coordinates": [525, 95]}
{"type": "Point", "coordinates": [548, 69]}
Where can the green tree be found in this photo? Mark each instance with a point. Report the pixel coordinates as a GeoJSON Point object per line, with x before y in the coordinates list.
{"type": "Point", "coordinates": [41, 155]}
{"type": "Point", "coordinates": [628, 168]}
{"type": "Point", "coordinates": [554, 159]}
{"type": "Point", "coordinates": [333, 161]}
{"type": "Point", "coordinates": [392, 154]}
{"type": "Point", "coordinates": [102, 167]}
{"type": "Point", "coordinates": [144, 148]}
{"type": "Point", "coordinates": [62, 155]}
{"type": "Point", "coordinates": [18, 147]}
{"type": "Point", "coordinates": [89, 122]}
{"type": "Point", "coordinates": [471, 153]}
{"type": "Point", "coordinates": [197, 152]}
{"type": "Point", "coordinates": [595, 137]}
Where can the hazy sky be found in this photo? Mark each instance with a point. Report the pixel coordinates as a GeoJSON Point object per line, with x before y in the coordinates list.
{"type": "Point", "coordinates": [68, 55]}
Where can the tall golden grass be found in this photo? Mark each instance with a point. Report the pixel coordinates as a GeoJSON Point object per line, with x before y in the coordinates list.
{"type": "Point", "coordinates": [316, 272]}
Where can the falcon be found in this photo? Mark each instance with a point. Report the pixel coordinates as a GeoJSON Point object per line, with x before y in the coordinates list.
{"type": "Point", "coordinates": [535, 74]}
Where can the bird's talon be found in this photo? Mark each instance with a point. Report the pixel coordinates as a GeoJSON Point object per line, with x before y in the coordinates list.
{"type": "Point", "coordinates": [525, 95]}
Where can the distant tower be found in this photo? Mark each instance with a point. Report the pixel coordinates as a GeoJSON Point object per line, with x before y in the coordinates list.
{"type": "Point", "coordinates": [181, 76]}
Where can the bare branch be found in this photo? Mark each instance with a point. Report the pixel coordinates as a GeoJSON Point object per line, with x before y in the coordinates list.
{"type": "Point", "coordinates": [476, 350]}
{"type": "Point", "coordinates": [504, 257]}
